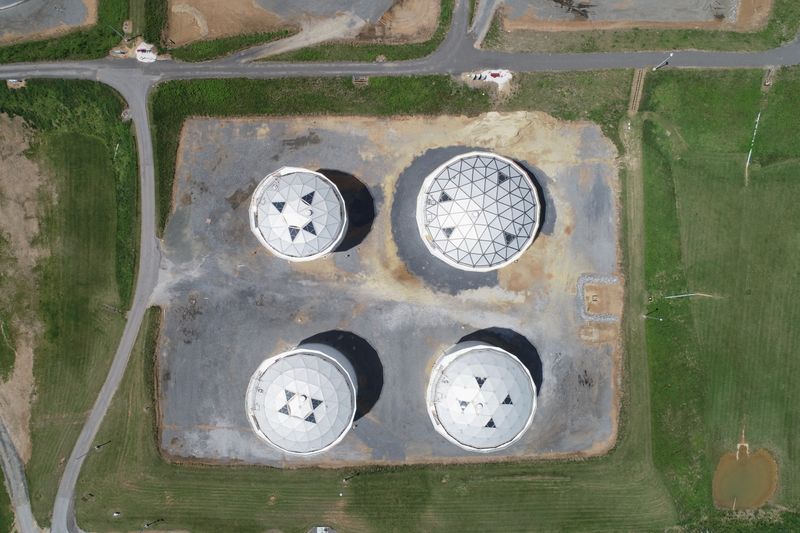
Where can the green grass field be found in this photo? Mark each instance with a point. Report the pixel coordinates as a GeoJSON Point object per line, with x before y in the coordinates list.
{"type": "Point", "coordinates": [781, 27]}
{"type": "Point", "coordinates": [155, 20]}
{"type": "Point", "coordinates": [89, 225]}
{"type": "Point", "coordinates": [728, 362]}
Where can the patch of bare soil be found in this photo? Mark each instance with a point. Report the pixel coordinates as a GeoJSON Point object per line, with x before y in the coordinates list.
{"type": "Point", "coordinates": [407, 21]}
{"type": "Point", "coordinates": [603, 299]}
{"type": "Point", "coordinates": [743, 480]}
{"type": "Point", "coordinates": [752, 15]}
{"type": "Point", "coordinates": [21, 181]}
{"type": "Point", "coordinates": [194, 20]}
{"type": "Point", "coordinates": [90, 20]}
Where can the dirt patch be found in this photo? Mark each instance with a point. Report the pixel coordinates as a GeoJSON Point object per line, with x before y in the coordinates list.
{"type": "Point", "coordinates": [193, 20]}
{"type": "Point", "coordinates": [89, 20]}
{"type": "Point", "coordinates": [407, 21]}
{"type": "Point", "coordinates": [21, 182]}
{"type": "Point", "coordinates": [602, 299]}
{"type": "Point", "coordinates": [745, 480]}
{"type": "Point", "coordinates": [599, 332]}
{"type": "Point", "coordinates": [752, 15]}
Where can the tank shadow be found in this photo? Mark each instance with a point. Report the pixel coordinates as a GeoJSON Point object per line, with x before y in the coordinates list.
{"type": "Point", "coordinates": [365, 361]}
{"type": "Point", "coordinates": [539, 182]}
{"type": "Point", "coordinates": [511, 341]}
{"type": "Point", "coordinates": [359, 203]}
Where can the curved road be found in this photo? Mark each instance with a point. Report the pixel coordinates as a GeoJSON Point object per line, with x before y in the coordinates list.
{"type": "Point", "coordinates": [134, 81]}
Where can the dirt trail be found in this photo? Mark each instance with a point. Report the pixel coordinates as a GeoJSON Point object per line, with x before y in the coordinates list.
{"type": "Point", "coordinates": [637, 87]}
{"type": "Point", "coordinates": [752, 15]}
{"type": "Point", "coordinates": [21, 182]}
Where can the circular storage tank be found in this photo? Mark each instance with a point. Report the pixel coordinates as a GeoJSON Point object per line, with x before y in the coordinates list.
{"type": "Point", "coordinates": [478, 211]}
{"type": "Point", "coordinates": [480, 397]}
{"type": "Point", "coordinates": [298, 214]}
{"type": "Point", "coordinates": [302, 401]}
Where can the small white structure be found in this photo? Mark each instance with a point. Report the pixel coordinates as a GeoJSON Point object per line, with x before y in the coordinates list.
{"type": "Point", "coordinates": [302, 401]}
{"type": "Point", "coordinates": [480, 397]}
{"type": "Point", "coordinates": [298, 214]}
{"type": "Point", "coordinates": [478, 211]}
{"type": "Point", "coordinates": [146, 53]}
{"type": "Point", "coordinates": [501, 77]}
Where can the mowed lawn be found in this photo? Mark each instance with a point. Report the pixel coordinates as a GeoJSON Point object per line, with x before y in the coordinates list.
{"type": "Point", "coordinates": [729, 362]}
{"type": "Point", "coordinates": [88, 224]}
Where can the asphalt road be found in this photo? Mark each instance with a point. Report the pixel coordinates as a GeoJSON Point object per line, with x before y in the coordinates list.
{"type": "Point", "coordinates": [134, 80]}
{"type": "Point", "coordinates": [14, 472]}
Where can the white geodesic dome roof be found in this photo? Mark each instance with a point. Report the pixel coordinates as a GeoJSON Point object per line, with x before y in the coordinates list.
{"type": "Point", "coordinates": [298, 214]}
{"type": "Point", "coordinates": [478, 211]}
{"type": "Point", "coordinates": [481, 398]}
{"type": "Point", "coordinates": [302, 401]}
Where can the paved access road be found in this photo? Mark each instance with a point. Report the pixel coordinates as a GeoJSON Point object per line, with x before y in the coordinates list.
{"type": "Point", "coordinates": [14, 472]}
{"type": "Point", "coordinates": [456, 54]}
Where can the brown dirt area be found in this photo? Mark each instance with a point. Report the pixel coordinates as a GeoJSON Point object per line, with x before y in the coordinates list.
{"type": "Point", "coordinates": [603, 299]}
{"type": "Point", "coordinates": [752, 15]}
{"type": "Point", "coordinates": [21, 181]}
{"type": "Point", "coordinates": [747, 482]}
{"type": "Point", "coordinates": [194, 20]}
{"type": "Point", "coordinates": [407, 21]}
{"type": "Point", "coordinates": [90, 20]}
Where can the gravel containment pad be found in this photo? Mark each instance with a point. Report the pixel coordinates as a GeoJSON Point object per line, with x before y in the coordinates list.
{"type": "Point", "coordinates": [229, 303]}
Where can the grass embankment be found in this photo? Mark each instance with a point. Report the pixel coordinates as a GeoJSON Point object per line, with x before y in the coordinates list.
{"type": "Point", "coordinates": [726, 362]}
{"type": "Point", "coordinates": [781, 27]}
{"type": "Point", "coordinates": [88, 223]}
{"type": "Point", "coordinates": [155, 20]}
{"type": "Point", "coordinates": [566, 95]}
{"type": "Point", "coordinates": [360, 51]}
{"type": "Point", "coordinates": [205, 50]}
{"type": "Point", "coordinates": [89, 43]}
{"type": "Point", "coordinates": [621, 491]}
{"type": "Point", "coordinates": [6, 512]}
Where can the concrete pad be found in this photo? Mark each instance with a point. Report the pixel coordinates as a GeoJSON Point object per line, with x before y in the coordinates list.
{"type": "Point", "coordinates": [229, 303]}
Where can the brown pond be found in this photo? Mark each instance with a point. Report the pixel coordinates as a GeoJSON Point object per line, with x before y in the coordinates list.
{"type": "Point", "coordinates": [747, 482]}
